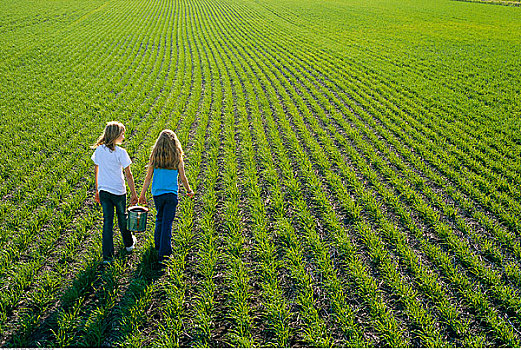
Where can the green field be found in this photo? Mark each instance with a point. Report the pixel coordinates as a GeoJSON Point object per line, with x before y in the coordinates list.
{"type": "Point", "coordinates": [356, 166]}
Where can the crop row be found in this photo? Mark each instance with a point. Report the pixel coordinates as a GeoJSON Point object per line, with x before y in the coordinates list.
{"type": "Point", "coordinates": [333, 207]}
{"type": "Point", "coordinates": [144, 125]}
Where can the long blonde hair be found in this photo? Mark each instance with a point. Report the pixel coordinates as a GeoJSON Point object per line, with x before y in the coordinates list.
{"type": "Point", "coordinates": [111, 133]}
{"type": "Point", "coordinates": [167, 151]}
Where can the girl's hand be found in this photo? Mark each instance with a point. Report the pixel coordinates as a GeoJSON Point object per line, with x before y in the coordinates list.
{"type": "Point", "coordinates": [133, 199]}
{"type": "Point", "coordinates": [96, 197]}
{"type": "Point", "coordinates": [190, 194]}
{"type": "Point", "coordinates": [142, 200]}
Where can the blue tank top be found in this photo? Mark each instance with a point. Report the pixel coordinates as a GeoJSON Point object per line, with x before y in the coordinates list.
{"type": "Point", "coordinates": [164, 181]}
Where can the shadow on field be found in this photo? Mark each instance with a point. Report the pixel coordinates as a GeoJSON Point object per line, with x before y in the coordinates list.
{"type": "Point", "coordinates": [134, 305]}
{"type": "Point", "coordinates": [92, 311]}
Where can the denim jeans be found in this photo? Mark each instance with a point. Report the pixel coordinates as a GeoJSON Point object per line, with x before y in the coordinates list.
{"type": "Point", "coordinates": [166, 205]}
{"type": "Point", "coordinates": [108, 202]}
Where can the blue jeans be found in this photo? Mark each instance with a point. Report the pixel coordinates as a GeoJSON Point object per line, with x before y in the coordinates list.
{"type": "Point", "coordinates": [108, 202]}
{"type": "Point", "coordinates": [166, 205]}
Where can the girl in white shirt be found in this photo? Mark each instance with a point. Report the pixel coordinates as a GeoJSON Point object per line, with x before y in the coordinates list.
{"type": "Point", "coordinates": [110, 161]}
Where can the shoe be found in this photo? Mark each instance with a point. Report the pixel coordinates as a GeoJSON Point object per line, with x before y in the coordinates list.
{"type": "Point", "coordinates": [107, 261]}
{"type": "Point", "coordinates": [131, 248]}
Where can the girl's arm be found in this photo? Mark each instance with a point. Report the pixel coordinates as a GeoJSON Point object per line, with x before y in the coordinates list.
{"type": "Point", "coordinates": [184, 180]}
{"type": "Point", "coordinates": [96, 193]}
{"type": "Point", "coordinates": [130, 180]}
{"type": "Point", "coordinates": [148, 178]}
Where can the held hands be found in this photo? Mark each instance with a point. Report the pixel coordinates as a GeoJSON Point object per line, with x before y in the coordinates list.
{"type": "Point", "coordinates": [142, 200]}
{"type": "Point", "coordinates": [133, 199]}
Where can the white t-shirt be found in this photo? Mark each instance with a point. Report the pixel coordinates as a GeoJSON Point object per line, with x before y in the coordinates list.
{"type": "Point", "coordinates": [110, 169]}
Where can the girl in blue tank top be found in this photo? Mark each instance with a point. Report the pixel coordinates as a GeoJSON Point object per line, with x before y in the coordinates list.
{"type": "Point", "coordinates": [164, 168]}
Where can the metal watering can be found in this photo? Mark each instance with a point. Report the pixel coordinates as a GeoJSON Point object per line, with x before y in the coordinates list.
{"type": "Point", "coordinates": [137, 218]}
